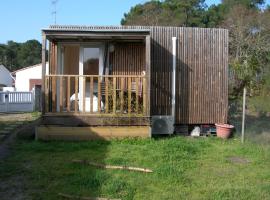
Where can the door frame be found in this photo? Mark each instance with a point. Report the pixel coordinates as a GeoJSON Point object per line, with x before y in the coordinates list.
{"type": "Point", "coordinates": [101, 47]}
{"type": "Point", "coordinates": [60, 63]}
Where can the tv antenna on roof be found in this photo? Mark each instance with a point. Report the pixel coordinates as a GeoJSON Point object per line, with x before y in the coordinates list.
{"type": "Point", "coordinates": [54, 12]}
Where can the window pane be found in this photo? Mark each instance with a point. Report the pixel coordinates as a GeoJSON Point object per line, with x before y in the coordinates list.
{"type": "Point", "coordinates": [91, 61]}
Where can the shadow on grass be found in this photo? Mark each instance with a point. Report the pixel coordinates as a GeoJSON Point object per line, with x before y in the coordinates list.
{"type": "Point", "coordinates": [50, 170]}
{"type": "Point", "coordinates": [46, 169]}
{"type": "Point", "coordinates": [257, 127]}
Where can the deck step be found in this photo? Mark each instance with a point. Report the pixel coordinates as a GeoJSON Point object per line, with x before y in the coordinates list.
{"type": "Point", "coordinates": [90, 133]}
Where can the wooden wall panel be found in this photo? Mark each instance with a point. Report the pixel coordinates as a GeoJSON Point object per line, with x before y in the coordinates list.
{"type": "Point", "coordinates": [202, 62]}
{"type": "Point", "coordinates": [128, 59]}
{"type": "Point", "coordinates": [71, 59]}
{"type": "Point", "coordinates": [53, 70]}
{"type": "Point", "coordinates": [71, 66]}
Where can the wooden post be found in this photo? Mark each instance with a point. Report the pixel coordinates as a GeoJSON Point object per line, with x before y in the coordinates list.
{"type": "Point", "coordinates": [129, 95]}
{"type": "Point", "coordinates": [145, 96]}
{"type": "Point", "coordinates": [147, 83]}
{"type": "Point", "coordinates": [68, 94]}
{"type": "Point", "coordinates": [61, 94]}
{"type": "Point", "coordinates": [76, 94]}
{"type": "Point", "coordinates": [54, 103]}
{"type": "Point", "coordinates": [122, 94]}
{"type": "Point", "coordinates": [137, 95]}
{"type": "Point", "coordinates": [43, 72]}
{"type": "Point", "coordinates": [46, 94]}
{"type": "Point", "coordinates": [114, 94]}
{"type": "Point", "coordinates": [106, 95]}
{"type": "Point", "coordinates": [243, 116]}
{"type": "Point", "coordinates": [91, 93]}
{"type": "Point", "coordinates": [83, 94]}
{"type": "Point", "coordinates": [54, 71]}
{"type": "Point", "coordinates": [99, 94]}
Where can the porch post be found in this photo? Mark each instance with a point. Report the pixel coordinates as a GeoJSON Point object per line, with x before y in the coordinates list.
{"type": "Point", "coordinates": [43, 72]}
{"type": "Point", "coordinates": [148, 71]}
{"type": "Point", "coordinates": [81, 89]}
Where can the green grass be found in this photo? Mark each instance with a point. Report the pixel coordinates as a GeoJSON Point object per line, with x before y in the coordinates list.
{"type": "Point", "coordinates": [257, 118]}
{"type": "Point", "coordinates": [259, 104]}
{"type": "Point", "coordinates": [184, 168]}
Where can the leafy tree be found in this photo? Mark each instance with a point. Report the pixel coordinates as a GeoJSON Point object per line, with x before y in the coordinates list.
{"type": "Point", "coordinates": [30, 53]}
{"type": "Point", "coordinates": [11, 52]}
{"type": "Point", "coordinates": [214, 15]}
{"type": "Point", "coordinates": [249, 47]}
{"type": "Point", "coordinates": [187, 12]}
{"type": "Point", "coordinates": [15, 55]}
{"type": "Point", "coordinates": [247, 3]}
{"type": "Point", "coordinates": [184, 12]}
{"type": "Point", "coordinates": [149, 13]}
{"type": "Point", "coordinates": [166, 13]}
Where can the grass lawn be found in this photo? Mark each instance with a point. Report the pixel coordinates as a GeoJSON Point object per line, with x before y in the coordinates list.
{"type": "Point", "coordinates": [184, 168]}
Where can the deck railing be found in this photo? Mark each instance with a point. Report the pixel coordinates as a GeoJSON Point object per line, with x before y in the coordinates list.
{"type": "Point", "coordinates": [93, 94]}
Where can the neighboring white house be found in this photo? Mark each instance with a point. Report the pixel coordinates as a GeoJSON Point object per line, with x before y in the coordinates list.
{"type": "Point", "coordinates": [29, 77]}
{"type": "Point", "coordinates": [6, 79]}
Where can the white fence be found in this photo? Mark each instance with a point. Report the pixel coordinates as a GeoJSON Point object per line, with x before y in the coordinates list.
{"type": "Point", "coordinates": [16, 102]}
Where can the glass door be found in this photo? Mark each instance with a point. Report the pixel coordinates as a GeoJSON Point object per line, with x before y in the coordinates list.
{"type": "Point", "coordinates": [91, 63]}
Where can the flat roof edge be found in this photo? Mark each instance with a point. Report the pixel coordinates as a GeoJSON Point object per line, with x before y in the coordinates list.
{"type": "Point", "coordinates": [112, 28]}
{"type": "Point", "coordinates": [96, 30]}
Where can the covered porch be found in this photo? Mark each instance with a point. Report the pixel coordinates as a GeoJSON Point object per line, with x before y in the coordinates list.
{"type": "Point", "coordinates": [96, 73]}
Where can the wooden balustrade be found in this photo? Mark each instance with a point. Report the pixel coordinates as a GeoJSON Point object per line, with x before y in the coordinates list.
{"type": "Point", "coordinates": [91, 94]}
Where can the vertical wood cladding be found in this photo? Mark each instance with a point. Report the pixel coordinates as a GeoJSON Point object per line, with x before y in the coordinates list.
{"type": "Point", "coordinates": [128, 59]}
{"type": "Point", "coordinates": [201, 79]}
{"type": "Point", "coordinates": [202, 71]}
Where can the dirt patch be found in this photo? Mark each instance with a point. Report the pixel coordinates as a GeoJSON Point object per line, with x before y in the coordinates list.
{"type": "Point", "coordinates": [14, 187]}
{"type": "Point", "coordinates": [238, 160]}
{"type": "Point", "coordinates": [23, 121]}
{"type": "Point", "coordinates": [7, 117]}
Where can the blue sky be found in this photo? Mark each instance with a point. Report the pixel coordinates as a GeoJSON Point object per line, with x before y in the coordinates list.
{"type": "Point", "coordinates": [21, 20]}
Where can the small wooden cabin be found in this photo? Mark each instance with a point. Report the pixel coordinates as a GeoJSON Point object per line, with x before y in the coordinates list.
{"type": "Point", "coordinates": [111, 81]}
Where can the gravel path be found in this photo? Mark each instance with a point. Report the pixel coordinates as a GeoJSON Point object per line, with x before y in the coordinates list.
{"type": "Point", "coordinates": [10, 124]}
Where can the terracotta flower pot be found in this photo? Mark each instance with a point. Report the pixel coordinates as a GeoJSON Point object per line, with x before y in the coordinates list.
{"type": "Point", "coordinates": [224, 130]}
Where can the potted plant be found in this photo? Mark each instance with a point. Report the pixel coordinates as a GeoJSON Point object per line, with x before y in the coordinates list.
{"type": "Point", "coordinates": [224, 130]}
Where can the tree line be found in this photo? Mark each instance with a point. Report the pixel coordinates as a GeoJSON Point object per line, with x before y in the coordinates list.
{"type": "Point", "coordinates": [248, 22]}
{"type": "Point", "coordinates": [14, 55]}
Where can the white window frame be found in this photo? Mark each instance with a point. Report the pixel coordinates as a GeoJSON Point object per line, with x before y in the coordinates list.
{"type": "Point", "coordinates": [60, 63]}
{"type": "Point", "coordinates": [101, 47]}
